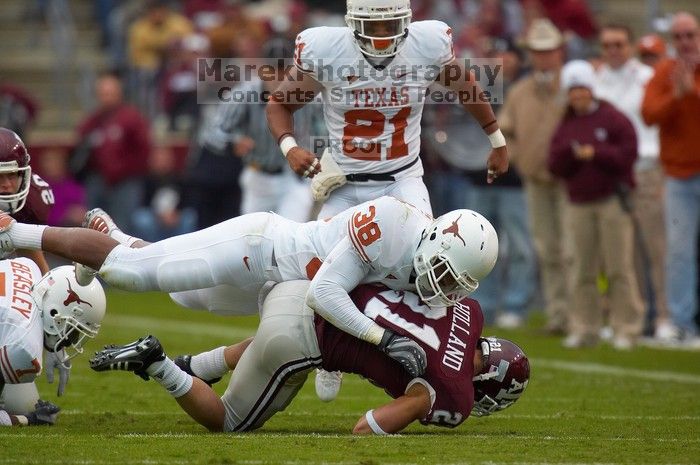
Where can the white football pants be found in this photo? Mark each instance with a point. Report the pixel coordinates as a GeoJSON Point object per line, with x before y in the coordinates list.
{"type": "Point", "coordinates": [275, 365]}
{"type": "Point", "coordinates": [227, 264]}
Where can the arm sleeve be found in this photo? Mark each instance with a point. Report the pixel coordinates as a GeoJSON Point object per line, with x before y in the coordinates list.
{"type": "Point", "coordinates": [18, 365]}
{"type": "Point", "coordinates": [328, 295]}
{"type": "Point", "coordinates": [561, 161]}
{"type": "Point", "coordinates": [659, 104]}
{"type": "Point", "coordinates": [305, 59]}
{"type": "Point", "coordinates": [446, 53]}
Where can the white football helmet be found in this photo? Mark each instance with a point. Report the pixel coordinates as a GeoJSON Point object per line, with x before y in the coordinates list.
{"type": "Point", "coordinates": [456, 251]}
{"type": "Point", "coordinates": [70, 312]}
{"type": "Point", "coordinates": [380, 26]}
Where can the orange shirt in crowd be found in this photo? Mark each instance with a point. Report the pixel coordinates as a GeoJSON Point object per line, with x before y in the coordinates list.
{"type": "Point", "coordinates": [678, 120]}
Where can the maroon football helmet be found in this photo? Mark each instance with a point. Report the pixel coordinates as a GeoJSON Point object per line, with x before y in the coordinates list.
{"type": "Point", "coordinates": [14, 158]}
{"type": "Point", "coordinates": [503, 378]}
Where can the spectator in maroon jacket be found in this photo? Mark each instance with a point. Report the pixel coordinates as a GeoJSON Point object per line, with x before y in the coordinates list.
{"type": "Point", "coordinates": [594, 150]}
{"type": "Point", "coordinates": [118, 141]}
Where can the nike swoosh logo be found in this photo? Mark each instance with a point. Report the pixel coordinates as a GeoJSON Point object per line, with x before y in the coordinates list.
{"type": "Point", "coordinates": [245, 261]}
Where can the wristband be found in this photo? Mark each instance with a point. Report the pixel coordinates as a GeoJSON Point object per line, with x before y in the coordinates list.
{"type": "Point", "coordinates": [374, 426]}
{"type": "Point", "coordinates": [287, 144]}
{"type": "Point", "coordinates": [497, 139]}
{"type": "Point", "coordinates": [279, 139]}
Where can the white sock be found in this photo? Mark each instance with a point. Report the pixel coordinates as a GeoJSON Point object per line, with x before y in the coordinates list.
{"type": "Point", "coordinates": [27, 236]}
{"type": "Point", "coordinates": [123, 238]}
{"type": "Point", "coordinates": [173, 379]}
{"type": "Point", "coordinates": [210, 365]}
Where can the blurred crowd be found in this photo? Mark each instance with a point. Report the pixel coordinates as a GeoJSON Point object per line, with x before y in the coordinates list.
{"type": "Point", "coordinates": [598, 217]}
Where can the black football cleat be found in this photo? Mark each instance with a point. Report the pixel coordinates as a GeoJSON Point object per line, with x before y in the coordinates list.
{"type": "Point", "coordinates": [183, 362]}
{"type": "Point", "coordinates": [136, 357]}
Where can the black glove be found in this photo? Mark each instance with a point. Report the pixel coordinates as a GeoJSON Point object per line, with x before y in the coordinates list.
{"type": "Point", "coordinates": [407, 352]}
{"type": "Point", "coordinates": [44, 413]}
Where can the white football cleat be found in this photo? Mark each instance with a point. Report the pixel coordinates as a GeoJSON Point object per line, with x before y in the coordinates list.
{"type": "Point", "coordinates": [98, 220]}
{"type": "Point", "coordinates": [328, 384]}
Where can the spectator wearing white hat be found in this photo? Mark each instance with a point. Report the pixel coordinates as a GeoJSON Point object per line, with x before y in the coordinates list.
{"type": "Point", "coordinates": [622, 80]}
{"type": "Point", "coordinates": [531, 112]}
{"type": "Point", "coordinates": [593, 151]}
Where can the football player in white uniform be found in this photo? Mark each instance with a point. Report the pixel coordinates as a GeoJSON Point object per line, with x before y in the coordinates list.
{"type": "Point", "coordinates": [52, 313]}
{"type": "Point", "coordinates": [373, 76]}
{"type": "Point", "coordinates": [386, 241]}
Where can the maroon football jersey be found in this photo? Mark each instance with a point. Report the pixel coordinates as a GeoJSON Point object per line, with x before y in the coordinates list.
{"type": "Point", "coordinates": [39, 202]}
{"type": "Point", "coordinates": [448, 335]}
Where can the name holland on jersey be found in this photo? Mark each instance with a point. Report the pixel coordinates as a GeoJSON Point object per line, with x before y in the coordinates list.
{"type": "Point", "coordinates": [459, 333]}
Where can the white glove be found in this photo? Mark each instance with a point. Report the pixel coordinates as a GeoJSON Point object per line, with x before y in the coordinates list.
{"type": "Point", "coordinates": [327, 180]}
{"type": "Point", "coordinates": [52, 361]}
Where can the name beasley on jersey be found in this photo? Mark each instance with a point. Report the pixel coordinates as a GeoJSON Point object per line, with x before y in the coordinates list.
{"type": "Point", "coordinates": [22, 282]}
{"type": "Point", "coordinates": [376, 97]}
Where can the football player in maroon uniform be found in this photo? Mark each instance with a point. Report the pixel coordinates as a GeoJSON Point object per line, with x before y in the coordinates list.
{"type": "Point", "coordinates": [24, 195]}
{"type": "Point", "coordinates": [465, 373]}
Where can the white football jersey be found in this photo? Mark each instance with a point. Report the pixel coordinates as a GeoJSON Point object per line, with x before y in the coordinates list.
{"type": "Point", "coordinates": [21, 329]}
{"type": "Point", "coordinates": [385, 233]}
{"type": "Point", "coordinates": [373, 114]}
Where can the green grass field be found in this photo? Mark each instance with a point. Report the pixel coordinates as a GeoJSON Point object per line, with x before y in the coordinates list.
{"type": "Point", "coordinates": [583, 407]}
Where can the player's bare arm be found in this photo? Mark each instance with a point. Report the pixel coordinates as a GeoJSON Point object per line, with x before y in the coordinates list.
{"type": "Point", "coordinates": [397, 414]}
{"type": "Point", "coordinates": [497, 163]}
{"type": "Point", "coordinates": [76, 244]}
{"type": "Point", "coordinates": [289, 97]}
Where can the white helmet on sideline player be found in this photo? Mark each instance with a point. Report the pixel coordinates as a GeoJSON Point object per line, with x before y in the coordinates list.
{"type": "Point", "coordinates": [380, 26]}
{"type": "Point", "coordinates": [456, 251]}
{"type": "Point", "coordinates": [70, 312]}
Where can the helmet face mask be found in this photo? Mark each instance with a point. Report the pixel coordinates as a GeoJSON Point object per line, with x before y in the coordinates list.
{"type": "Point", "coordinates": [380, 26]}
{"type": "Point", "coordinates": [503, 377]}
{"type": "Point", "coordinates": [439, 285]}
{"type": "Point", "coordinates": [456, 251]}
{"type": "Point", "coordinates": [71, 313]}
{"type": "Point", "coordinates": [14, 160]}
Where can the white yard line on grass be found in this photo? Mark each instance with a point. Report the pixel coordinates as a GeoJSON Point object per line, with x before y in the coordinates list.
{"type": "Point", "coordinates": [500, 416]}
{"type": "Point", "coordinates": [612, 370]}
{"type": "Point", "coordinates": [257, 436]}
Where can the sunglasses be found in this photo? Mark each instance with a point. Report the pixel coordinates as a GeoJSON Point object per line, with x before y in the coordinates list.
{"type": "Point", "coordinates": [609, 45]}
{"type": "Point", "coordinates": [684, 35]}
